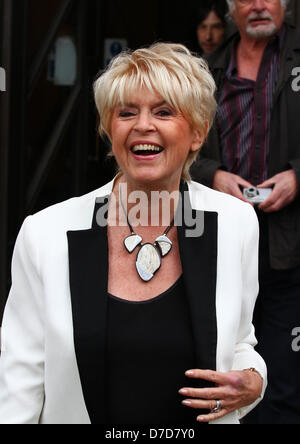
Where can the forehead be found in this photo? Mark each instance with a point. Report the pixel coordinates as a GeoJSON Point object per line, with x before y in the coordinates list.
{"type": "Point", "coordinates": [146, 96]}
{"type": "Point", "coordinates": [278, 4]}
{"type": "Point", "coordinates": [143, 96]}
{"type": "Point", "coordinates": [211, 19]}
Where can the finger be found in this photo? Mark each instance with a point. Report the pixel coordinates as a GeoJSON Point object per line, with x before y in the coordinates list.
{"type": "Point", "coordinates": [280, 198]}
{"type": "Point", "coordinates": [273, 208]}
{"type": "Point", "coordinates": [204, 394]}
{"type": "Point", "coordinates": [272, 205]}
{"type": "Point", "coordinates": [243, 182]}
{"type": "Point", "coordinates": [265, 206]}
{"type": "Point", "coordinates": [212, 416]}
{"type": "Point", "coordinates": [208, 375]}
{"type": "Point", "coordinates": [237, 193]}
{"type": "Point", "coordinates": [272, 200]}
{"type": "Point", "coordinates": [200, 404]}
{"type": "Point", "coordinates": [268, 183]}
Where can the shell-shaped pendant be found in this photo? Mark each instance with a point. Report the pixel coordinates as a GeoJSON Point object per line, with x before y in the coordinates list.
{"type": "Point", "coordinates": [131, 242]}
{"type": "Point", "coordinates": [164, 244]}
{"type": "Point", "coordinates": [148, 262]}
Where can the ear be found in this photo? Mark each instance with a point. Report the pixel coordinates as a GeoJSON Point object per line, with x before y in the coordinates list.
{"type": "Point", "coordinates": [199, 137]}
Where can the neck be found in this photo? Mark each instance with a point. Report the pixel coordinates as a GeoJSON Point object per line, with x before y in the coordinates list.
{"type": "Point", "coordinates": [149, 205]}
{"type": "Point", "coordinates": [252, 48]}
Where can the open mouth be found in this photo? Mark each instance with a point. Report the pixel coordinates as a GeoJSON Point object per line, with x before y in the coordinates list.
{"type": "Point", "coordinates": [146, 150]}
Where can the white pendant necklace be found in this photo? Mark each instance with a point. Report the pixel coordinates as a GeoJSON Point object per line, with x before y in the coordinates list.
{"type": "Point", "coordinates": [149, 256]}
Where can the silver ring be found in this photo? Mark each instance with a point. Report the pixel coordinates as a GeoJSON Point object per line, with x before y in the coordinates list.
{"type": "Point", "coordinates": [217, 408]}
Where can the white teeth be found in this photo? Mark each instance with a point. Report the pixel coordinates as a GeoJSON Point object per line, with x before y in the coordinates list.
{"type": "Point", "coordinates": [153, 148]}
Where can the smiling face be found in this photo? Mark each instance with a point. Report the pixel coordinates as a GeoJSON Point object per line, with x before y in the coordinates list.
{"type": "Point", "coordinates": [151, 140]}
{"type": "Point", "coordinates": [259, 19]}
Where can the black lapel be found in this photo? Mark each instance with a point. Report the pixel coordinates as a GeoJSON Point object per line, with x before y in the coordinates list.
{"type": "Point", "coordinates": [199, 262]}
{"type": "Point", "coordinates": [88, 261]}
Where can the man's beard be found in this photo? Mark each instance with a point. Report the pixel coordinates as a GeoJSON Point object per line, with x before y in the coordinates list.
{"type": "Point", "coordinates": [261, 31]}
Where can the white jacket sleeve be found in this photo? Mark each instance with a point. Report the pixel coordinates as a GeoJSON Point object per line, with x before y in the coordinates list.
{"type": "Point", "coordinates": [245, 354]}
{"type": "Point", "coordinates": [22, 338]}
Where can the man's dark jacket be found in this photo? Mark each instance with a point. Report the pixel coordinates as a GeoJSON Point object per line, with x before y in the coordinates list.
{"type": "Point", "coordinates": [284, 150]}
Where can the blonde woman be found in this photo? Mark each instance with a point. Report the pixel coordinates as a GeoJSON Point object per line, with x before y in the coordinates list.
{"type": "Point", "coordinates": [115, 319]}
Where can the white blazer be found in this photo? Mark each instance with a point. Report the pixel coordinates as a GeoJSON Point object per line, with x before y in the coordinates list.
{"type": "Point", "coordinates": [51, 365]}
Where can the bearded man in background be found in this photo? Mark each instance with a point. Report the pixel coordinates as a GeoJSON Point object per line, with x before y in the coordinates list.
{"type": "Point", "coordinates": [256, 143]}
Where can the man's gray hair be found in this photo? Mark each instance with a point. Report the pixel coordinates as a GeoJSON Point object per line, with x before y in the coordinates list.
{"type": "Point", "coordinates": [231, 3]}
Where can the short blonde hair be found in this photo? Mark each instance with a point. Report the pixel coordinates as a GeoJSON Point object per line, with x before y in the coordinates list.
{"type": "Point", "coordinates": [181, 78]}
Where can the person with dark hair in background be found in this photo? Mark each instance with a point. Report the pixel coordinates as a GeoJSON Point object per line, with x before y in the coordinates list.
{"type": "Point", "coordinates": [255, 143]}
{"type": "Point", "coordinates": [211, 25]}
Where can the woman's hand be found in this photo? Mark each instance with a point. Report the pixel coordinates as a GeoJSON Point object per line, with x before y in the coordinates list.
{"type": "Point", "coordinates": [234, 390]}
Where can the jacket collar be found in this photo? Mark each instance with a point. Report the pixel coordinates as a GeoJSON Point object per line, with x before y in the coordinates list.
{"type": "Point", "coordinates": [290, 57]}
{"type": "Point", "coordinates": [88, 261]}
{"type": "Point", "coordinates": [221, 58]}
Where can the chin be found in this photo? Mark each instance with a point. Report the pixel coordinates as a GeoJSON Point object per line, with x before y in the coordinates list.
{"type": "Point", "coordinates": [147, 178]}
{"type": "Point", "coordinates": [262, 31]}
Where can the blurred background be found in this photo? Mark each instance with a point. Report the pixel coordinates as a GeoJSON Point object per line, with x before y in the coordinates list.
{"type": "Point", "coordinates": [52, 51]}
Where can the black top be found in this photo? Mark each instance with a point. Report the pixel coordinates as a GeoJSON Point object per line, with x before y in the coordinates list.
{"type": "Point", "coordinates": [149, 348]}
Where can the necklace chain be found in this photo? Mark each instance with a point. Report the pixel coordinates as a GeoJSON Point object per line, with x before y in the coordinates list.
{"type": "Point", "coordinates": [166, 232]}
{"type": "Point", "coordinates": [149, 256]}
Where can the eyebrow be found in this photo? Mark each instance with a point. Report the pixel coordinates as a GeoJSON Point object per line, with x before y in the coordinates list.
{"type": "Point", "coordinates": [134, 105]}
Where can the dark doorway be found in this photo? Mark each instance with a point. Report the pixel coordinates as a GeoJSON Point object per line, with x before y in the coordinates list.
{"type": "Point", "coordinates": [49, 147]}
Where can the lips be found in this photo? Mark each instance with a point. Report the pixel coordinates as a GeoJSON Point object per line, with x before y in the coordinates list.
{"type": "Point", "coordinates": [258, 19]}
{"type": "Point", "coordinates": [209, 47]}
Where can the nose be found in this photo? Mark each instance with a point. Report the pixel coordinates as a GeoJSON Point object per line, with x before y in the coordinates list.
{"type": "Point", "coordinates": [208, 35]}
{"type": "Point", "coordinates": [259, 5]}
{"type": "Point", "coordinates": [144, 122]}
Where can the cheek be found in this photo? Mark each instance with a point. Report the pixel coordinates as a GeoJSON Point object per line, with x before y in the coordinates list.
{"type": "Point", "coordinates": [241, 18]}
{"type": "Point", "coordinates": [113, 132]}
{"type": "Point", "coordinates": [118, 150]}
{"type": "Point", "coordinates": [182, 146]}
{"type": "Point", "coordinates": [201, 35]}
{"type": "Point", "coordinates": [278, 17]}
{"type": "Point", "coordinates": [118, 136]}
{"type": "Point", "coordinates": [218, 35]}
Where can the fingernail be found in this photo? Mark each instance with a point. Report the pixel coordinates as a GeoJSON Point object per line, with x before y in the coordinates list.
{"type": "Point", "coordinates": [200, 419]}
{"type": "Point", "coordinates": [183, 391]}
{"type": "Point", "coordinates": [186, 402]}
{"type": "Point", "coordinates": [189, 373]}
